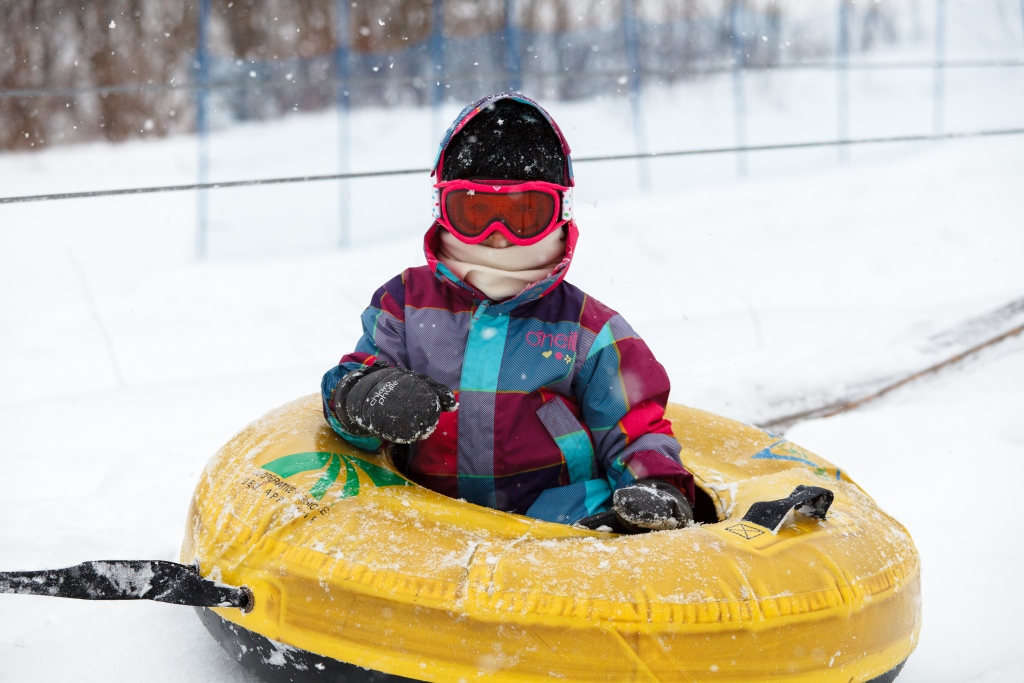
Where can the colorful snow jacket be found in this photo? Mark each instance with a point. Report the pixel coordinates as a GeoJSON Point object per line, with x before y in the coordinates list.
{"type": "Point", "coordinates": [560, 402]}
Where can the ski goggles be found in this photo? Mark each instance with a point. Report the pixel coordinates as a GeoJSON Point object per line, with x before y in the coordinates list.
{"type": "Point", "coordinates": [525, 212]}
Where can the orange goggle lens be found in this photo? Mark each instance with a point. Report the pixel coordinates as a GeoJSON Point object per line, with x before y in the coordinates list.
{"type": "Point", "coordinates": [526, 214]}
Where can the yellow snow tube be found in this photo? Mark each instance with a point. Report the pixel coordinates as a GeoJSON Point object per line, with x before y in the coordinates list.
{"type": "Point", "coordinates": [350, 561]}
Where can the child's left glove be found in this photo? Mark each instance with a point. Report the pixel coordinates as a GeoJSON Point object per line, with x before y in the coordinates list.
{"type": "Point", "coordinates": [390, 403]}
{"type": "Point", "coordinates": [646, 505]}
{"type": "Point", "coordinates": [651, 505]}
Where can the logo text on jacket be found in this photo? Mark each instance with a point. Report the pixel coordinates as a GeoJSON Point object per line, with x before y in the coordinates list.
{"type": "Point", "coordinates": [561, 341]}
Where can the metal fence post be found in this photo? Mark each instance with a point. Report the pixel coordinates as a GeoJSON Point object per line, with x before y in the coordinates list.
{"type": "Point", "coordinates": [437, 63]}
{"type": "Point", "coordinates": [1022, 18]}
{"type": "Point", "coordinates": [513, 66]}
{"type": "Point", "coordinates": [939, 94]}
{"type": "Point", "coordinates": [632, 37]}
{"type": "Point", "coordinates": [843, 81]}
{"type": "Point", "coordinates": [202, 127]}
{"type": "Point", "coordinates": [738, 91]}
{"type": "Point", "coordinates": [342, 70]}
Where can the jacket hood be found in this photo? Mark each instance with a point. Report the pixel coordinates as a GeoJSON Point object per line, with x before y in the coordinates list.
{"type": "Point", "coordinates": [432, 240]}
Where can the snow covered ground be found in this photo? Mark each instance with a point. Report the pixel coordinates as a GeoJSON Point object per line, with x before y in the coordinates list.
{"type": "Point", "coordinates": [124, 364]}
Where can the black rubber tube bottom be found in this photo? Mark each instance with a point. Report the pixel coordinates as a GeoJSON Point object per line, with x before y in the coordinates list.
{"type": "Point", "coordinates": [276, 663]}
{"type": "Point", "coordinates": [890, 675]}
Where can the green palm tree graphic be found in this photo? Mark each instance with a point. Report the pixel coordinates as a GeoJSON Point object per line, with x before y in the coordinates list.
{"type": "Point", "coordinates": [290, 465]}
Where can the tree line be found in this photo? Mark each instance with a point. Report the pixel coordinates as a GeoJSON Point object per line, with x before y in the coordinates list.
{"type": "Point", "coordinates": [271, 57]}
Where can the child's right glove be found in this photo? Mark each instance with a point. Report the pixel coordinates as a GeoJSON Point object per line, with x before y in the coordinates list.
{"type": "Point", "coordinates": [390, 403]}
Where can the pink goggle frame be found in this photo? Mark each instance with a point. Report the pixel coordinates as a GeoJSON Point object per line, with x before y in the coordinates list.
{"type": "Point", "coordinates": [525, 212]}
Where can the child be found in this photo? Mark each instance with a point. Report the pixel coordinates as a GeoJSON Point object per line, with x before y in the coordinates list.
{"type": "Point", "coordinates": [516, 390]}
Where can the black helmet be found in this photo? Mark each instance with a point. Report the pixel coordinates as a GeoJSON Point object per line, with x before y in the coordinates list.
{"type": "Point", "coordinates": [504, 137]}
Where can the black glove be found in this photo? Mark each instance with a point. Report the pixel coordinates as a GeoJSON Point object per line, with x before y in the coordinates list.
{"type": "Point", "coordinates": [651, 505]}
{"type": "Point", "coordinates": [647, 505]}
{"type": "Point", "coordinates": [390, 403]}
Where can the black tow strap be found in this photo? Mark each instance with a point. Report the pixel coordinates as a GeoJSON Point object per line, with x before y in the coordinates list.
{"type": "Point", "coordinates": [157, 580]}
{"type": "Point", "coordinates": [813, 501]}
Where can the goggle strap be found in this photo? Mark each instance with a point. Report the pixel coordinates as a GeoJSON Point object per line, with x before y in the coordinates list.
{"type": "Point", "coordinates": [435, 203]}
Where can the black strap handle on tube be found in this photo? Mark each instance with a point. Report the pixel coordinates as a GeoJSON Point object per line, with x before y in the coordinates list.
{"type": "Point", "coordinates": [813, 501]}
{"type": "Point", "coordinates": [157, 580]}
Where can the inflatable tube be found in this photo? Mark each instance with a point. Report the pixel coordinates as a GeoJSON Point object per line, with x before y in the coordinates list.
{"type": "Point", "coordinates": [354, 568]}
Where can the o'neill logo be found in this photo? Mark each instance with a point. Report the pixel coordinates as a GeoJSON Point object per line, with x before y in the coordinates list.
{"type": "Point", "coordinates": [552, 342]}
{"type": "Point", "coordinates": [561, 341]}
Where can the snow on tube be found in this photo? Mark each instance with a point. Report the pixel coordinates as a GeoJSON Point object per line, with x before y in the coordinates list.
{"type": "Point", "coordinates": [360, 575]}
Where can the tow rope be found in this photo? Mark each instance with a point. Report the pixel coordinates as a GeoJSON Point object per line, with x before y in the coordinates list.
{"type": "Point", "coordinates": [156, 580]}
